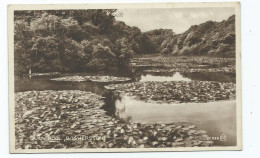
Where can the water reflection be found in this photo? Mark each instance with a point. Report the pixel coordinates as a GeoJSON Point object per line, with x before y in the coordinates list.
{"type": "Point", "coordinates": [185, 76]}
{"type": "Point", "coordinates": [41, 84]}
{"type": "Point", "coordinates": [115, 105]}
{"type": "Point", "coordinates": [211, 76]}
{"type": "Point", "coordinates": [215, 117]}
{"type": "Point", "coordinates": [177, 76]}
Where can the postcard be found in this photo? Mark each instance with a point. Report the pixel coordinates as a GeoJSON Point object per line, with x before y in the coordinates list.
{"type": "Point", "coordinates": [124, 77]}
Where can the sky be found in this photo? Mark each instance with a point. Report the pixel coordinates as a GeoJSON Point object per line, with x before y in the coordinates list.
{"type": "Point", "coordinates": [177, 19]}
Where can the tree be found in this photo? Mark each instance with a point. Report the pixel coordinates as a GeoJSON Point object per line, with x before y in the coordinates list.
{"type": "Point", "coordinates": [45, 54]}
{"type": "Point", "coordinates": [125, 52]}
{"type": "Point", "coordinates": [22, 45]}
{"type": "Point", "coordinates": [73, 40]}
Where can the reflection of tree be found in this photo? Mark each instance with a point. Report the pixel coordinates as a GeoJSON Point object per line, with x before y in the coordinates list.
{"type": "Point", "coordinates": [140, 71]}
{"type": "Point", "coordinates": [111, 97]}
{"type": "Point", "coordinates": [128, 118]}
{"type": "Point", "coordinates": [119, 103]}
{"type": "Point", "coordinates": [125, 72]}
{"type": "Point", "coordinates": [109, 103]}
{"type": "Point", "coordinates": [120, 108]}
{"type": "Point", "coordinates": [113, 101]}
{"type": "Point", "coordinates": [121, 111]}
{"type": "Point", "coordinates": [94, 87]}
{"type": "Point", "coordinates": [138, 76]}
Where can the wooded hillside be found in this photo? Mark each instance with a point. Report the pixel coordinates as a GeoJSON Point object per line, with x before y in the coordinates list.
{"type": "Point", "coordinates": [209, 38]}
{"type": "Point", "coordinates": [82, 40]}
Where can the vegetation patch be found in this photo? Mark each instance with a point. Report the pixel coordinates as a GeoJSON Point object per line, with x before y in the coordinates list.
{"type": "Point", "coordinates": [79, 40]}
{"type": "Point", "coordinates": [223, 69]}
{"type": "Point", "coordinates": [183, 62]}
{"type": "Point", "coordinates": [73, 40]}
{"type": "Point", "coordinates": [92, 78]}
{"type": "Point", "coordinates": [70, 78]}
{"type": "Point", "coordinates": [75, 119]}
{"type": "Point", "coordinates": [46, 74]}
{"type": "Point", "coordinates": [209, 38]}
{"type": "Point", "coordinates": [107, 78]}
{"type": "Point", "coordinates": [178, 91]}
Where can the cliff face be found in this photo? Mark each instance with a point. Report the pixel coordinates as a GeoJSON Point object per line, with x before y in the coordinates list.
{"type": "Point", "coordinates": [209, 38]}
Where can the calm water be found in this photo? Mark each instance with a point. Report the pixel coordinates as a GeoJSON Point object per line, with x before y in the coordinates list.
{"type": "Point", "coordinates": [216, 118]}
{"type": "Point", "coordinates": [174, 77]}
{"type": "Point", "coordinates": [184, 76]}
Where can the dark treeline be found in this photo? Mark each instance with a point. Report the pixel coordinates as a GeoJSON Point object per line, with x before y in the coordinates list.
{"type": "Point", "coordinates": [209, 38]}
{"type": "Point", "coordinates": [82, 40]}
{"type": "Point", "coordinates": [74, 40]}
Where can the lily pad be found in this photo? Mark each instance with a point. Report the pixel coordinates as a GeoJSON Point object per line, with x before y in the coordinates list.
{"type": "Point", "coordinates": [34, 124]}
{"type": "Point", "coordinates": [178, 91]}
{"type": "Point", "coordinates": [92, 78]}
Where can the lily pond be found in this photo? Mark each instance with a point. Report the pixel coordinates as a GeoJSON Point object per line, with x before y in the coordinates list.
{"type": "Point", "coordinates": [138, 107]}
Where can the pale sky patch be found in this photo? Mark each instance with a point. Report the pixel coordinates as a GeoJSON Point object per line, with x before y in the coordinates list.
{"type": "Point", "coordinates": [177, 19]}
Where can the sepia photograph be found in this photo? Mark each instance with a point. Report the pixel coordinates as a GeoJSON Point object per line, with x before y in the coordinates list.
{"type": "Point", "coordinates": [124, 77]}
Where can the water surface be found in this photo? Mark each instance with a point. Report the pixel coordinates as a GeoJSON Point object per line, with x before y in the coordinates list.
{"type": "Point", "coordinates": [174, 77]}
{"type": "Point", "coordinates": [216, 118]}
{"type": "Point", "coordinates": [188, 76]}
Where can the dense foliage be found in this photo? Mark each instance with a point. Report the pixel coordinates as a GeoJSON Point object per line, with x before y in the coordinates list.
{"type": "Point", "coordinates": [160, 39]}
{"type": "Point", "coordinates": [81, 40]}
{"type": "Point", "coordinates": [209, 38]}
{"type": "Point", "coordinates": [72, 40]}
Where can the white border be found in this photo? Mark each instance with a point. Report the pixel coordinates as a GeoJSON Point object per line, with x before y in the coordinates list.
{"type": "Point", "coordinates": [103, 6]}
